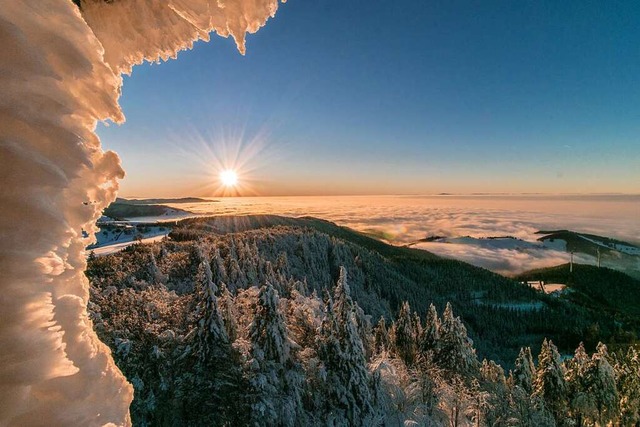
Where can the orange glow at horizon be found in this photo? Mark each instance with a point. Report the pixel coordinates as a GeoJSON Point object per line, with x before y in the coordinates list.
{"type": "Point", "coordinates": [224, 163]}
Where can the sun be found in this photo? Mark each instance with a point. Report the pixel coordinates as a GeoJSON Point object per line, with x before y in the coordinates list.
{"type": "Point", "coordinates": [229, 178]}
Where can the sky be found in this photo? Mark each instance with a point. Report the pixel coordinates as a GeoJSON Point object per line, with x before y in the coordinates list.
{"type": "Point", "coordinates": [414, 97]}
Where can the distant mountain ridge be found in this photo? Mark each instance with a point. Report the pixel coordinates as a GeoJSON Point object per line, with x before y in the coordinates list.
{"type": "Point", "coordinates": [602, 289]}
{"type": "Point", "coordinates": [161, 200]}
{"type": "Point", "coordinates": [135, 208]}
{"type": "Point", "coordinates": [590, 243]}
{"type": "Point", "coordinates": [118, 210]}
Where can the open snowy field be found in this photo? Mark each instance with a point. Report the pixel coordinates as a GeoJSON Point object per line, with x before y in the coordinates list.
{"type": "Point", "coordinates": [120, 245]}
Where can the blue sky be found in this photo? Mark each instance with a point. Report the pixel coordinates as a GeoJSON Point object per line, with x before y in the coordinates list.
{"type": "Point", "coordinates": [373, 97]}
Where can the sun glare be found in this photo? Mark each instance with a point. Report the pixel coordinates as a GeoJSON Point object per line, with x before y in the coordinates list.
{"type": "Point", "coordinates": [229, 178]}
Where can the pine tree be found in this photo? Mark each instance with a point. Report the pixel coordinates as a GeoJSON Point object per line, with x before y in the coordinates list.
{"type": "Point", "coordinates": [494, 404]}
{"type": "Point", "coordinates": [628, 379]}
{"type": "Point", "coordinates": [229, 312]}
{"type": "Point", "coordinates": [155, 274]}
{"type": "Point", "coordinates": [418, 331]}
{"type": "Point", "coordinates": [220, 271]}
{"type": "Point", "coordinates": [275, 383]}
{"type": "Point", "coordinates": [381, 337]}
{"type": "Point", "coordinates": [268, 332]}
{"type": "Point", "coordinates": [405, 335]}
{"type": "Point", "coordinates": [302, 318]}
{"type": "Point", "coordinates": [282, 264]}
{"type": "Point", "coordinates": [429, 341]}
{"type": "Point", "coordinates": [455, 353]}
{"type": "Point", "coordinates": [600, 384]}
{"type": "Point", "coordinates": [580, 402]}
{"type": "Point", "coordinates": [393, 378]}
{"type": "Point", "coordinates": [549, 384]}
{"type": "Point", "coordinates": [211, 328]}
{"type": "Point", "coordinates": [524, 371]}
{"type": "Point", "coordinates": [214, 363]}
{"type": "Point", "coordinates": [365, 331]}
{"type": "Point", "coordinates": [347, 383]}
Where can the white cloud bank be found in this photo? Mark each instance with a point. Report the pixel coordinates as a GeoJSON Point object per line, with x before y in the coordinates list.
{"type": "Point", "coordinates": [406, 219]}
{"type": "Point", "coordinates": [59, 75]}
{"type": "Point", "coordinates": [502, 260]}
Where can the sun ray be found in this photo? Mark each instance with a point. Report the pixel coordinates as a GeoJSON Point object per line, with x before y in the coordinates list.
{"type": "Point", "coordinates": [215, 152]}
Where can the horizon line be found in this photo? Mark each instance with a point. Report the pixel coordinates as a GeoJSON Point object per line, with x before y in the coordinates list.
{"type": "Point", "coordinates": [440, 194]}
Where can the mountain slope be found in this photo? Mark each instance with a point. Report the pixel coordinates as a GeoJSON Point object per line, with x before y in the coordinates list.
{"type": "Point", "coordinates": [126, 210]}
{"type": "Point", "coordinates": [603, 289]}
{"type": "Point", "coordinates": [501, 314]}
{"type": "Point", "coordinates": [239, 321]}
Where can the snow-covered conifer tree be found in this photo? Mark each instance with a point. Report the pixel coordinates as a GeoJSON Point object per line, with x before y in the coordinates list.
{"type": "Point", "coordinates": [215, 365]}
{"type": "Point", "coordinates": [580, 402]}
{"type": "Point", "coordinates": [428, 345]}
{"type": "Point", "coordinates": [549, 384]}
{"type": "Point", "coordinates": [628, 380]}
{"type": "Point", "coordinates": [364, 330]}
{"type": "Point", "coordinates": [211, 328]}
{"type": "Point", "coordinates": [494, 404]}
{"type": "Point", "coordinates": [417, 326]}
{"type": "Point", "coordinates": [455, 352]}
{"type": "Point", "coordinates": [275, 383]}
{"type": "Point", "coordinates": [381, 337]}
{"type": "Point", "coordinates": [600, 385]}
{"type": "Point", "coordinates": [154, 271]}
{"type": "Point", "coordinates": [524, 370]}
{"type": "Point", "coordinates": [219, 270]}
{"type": "Point", "coordinates": [229, 312]}
{"type": "Point", "coordinates": [282, 264]}
{"type": "Point", "coordinates": [268, 331]}
{"type": "Point", "coordinates": [405, 335]}
{"type": "Point", "coordinates": [348, 382]}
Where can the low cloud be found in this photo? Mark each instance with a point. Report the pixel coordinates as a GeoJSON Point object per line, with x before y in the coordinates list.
{"type": "Point", "coordinates": [504, 261]}
{"type": "Point", "coordinates": [405, 220]}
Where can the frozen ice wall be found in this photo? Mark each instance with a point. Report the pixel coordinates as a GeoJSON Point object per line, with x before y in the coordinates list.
{"type": "Point", "coordinates": [133, 31]}
{"type": "Point", "coordinates": [59, 75]}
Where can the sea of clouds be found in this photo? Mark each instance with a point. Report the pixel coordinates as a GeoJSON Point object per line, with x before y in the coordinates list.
{"type": "Point", "coordinates": [402, 220]}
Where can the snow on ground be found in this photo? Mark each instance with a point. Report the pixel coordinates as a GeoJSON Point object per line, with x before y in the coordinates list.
{"type": "Point", "coordinates": [109, 235]}
{"type": "Point", "coordinates": [116, 247]}
{"type": "Point", "coordinates": [595, 242]}
{"type": "Point", "coordinates": [555, 244]}
{"type": "Point", "coordinates": [630, 250]}
{"type": "Point", "coordinates": [117, 235]}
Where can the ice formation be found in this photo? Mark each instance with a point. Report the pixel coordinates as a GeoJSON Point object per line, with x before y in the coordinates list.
{"type": "Point", "coordinates": [60, 69]}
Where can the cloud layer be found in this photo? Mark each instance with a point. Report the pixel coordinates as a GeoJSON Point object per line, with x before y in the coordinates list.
{"type": "Point", "coordinates": [406, 219]}
{"type": "Point", "coordinates": [503, 261]}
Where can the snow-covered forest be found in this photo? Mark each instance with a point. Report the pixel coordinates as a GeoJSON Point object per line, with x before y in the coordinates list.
{"type": "Point", "coordinates": [284, 325]}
